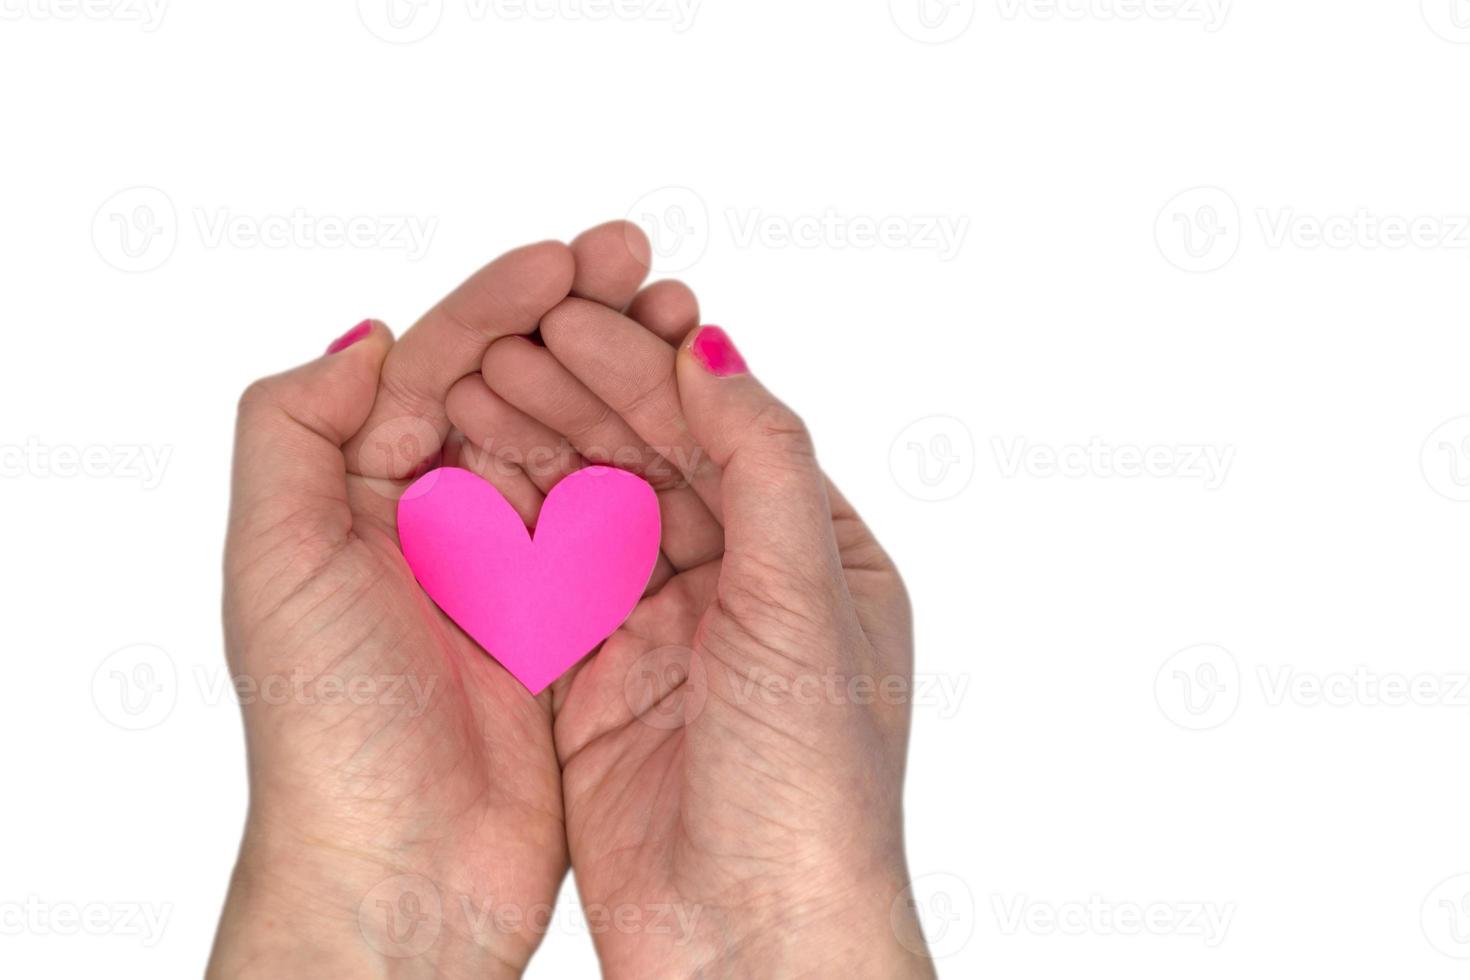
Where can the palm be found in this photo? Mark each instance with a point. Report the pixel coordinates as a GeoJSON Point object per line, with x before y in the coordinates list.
{"type": "Point", "coordinates": [438, 745]}
{"type": "Point", "coordinates": [633, 814]}
{"type": "Point", "coordinates": [680, 790]}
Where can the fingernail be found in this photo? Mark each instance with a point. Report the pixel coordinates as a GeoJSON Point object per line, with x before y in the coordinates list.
{"type": "Point", "coordinates": [351, 337]}
{"type": "Point", "coordinates": [714, 349]}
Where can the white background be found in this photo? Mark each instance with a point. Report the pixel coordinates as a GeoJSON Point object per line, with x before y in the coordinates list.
{"type": "Point", "coordinates": [1085, 301]}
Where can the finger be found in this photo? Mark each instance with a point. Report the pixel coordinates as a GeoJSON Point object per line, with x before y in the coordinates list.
{"type": "Point", "coordinates": [632, 372]}
{"type": "Point", "coordinates": [289, 468]}
{"type": "Point", "coordinates": [531, 379]}
{"type": "Point", "coordinates": [669, 309]}
{"type": "Point", "coordinates": [519, 456]}
{"type": "Point", "coordinates": [779, 539]}
{"type": "Point", "coordinates": [508, 296]}
{"type": "Point", "coordinates": [612, 261]}
{"type": "Point", "coordinates": [497, 428]}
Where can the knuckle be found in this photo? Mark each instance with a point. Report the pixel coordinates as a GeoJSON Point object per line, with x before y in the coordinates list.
{"type": "Point", "coordinates": [778, 427]}
{"type": "Point", "coordinates": [259, 394]}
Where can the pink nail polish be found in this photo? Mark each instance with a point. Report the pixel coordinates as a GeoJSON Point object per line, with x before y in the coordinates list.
{"type": "Point", "coordinates": [351, 337]}
{"type": "Point", "coordinates": [713, 348]}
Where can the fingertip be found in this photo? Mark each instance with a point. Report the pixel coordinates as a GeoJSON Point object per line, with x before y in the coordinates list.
{"type": "Point", "coordinates": [715, 352]}
{"type": "Point", "coordinates": [372, 329]}
{"type": "Point", "coordinates": [544, 271]}
{"type": "Point", "coordinates": [612, 260]}
{"type": "Point", "coordinates": [668, 309]}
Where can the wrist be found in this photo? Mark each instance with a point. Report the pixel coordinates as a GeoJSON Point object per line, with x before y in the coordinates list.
{"type": "Point", "coordinates": [865, 929]}
{"type": "Point", "coordinates": [307, 909]}
{"type": "Point", "coordinates": [802, 926]}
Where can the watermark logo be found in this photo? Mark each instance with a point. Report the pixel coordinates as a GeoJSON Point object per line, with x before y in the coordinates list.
{"type": "Point", "coordinates": [1199, 229]}
{"type": "Point", "coordinates": [400, 21]}
{"type": "Point", "coordinates": [943, 907]}
{"type": "Point", "coordinates": [1198, 688]}
{"type": "Point", "coordinates": [932, 21]}
{"type": "Point", "coordinates": [933, 458]}
{"type": "Point", "coordinates": [677, 223]}
{"type": "Point", "coordinates": [1445, 917]}
{"type": "Point", "coordinates": [401, 917]}
{"type": "Point", "coordinates": [666, 688]}
{"type": "Point", "coordinates": [397, 450]}
{"type": "Point", "coordinates": [136, 688]}
{"type": "Point", "coordinates": [1450, 19]}
{"type": "Point", "coordinates": [1445, 459]}
{"type": "Point", "coordinates": [136, 229]}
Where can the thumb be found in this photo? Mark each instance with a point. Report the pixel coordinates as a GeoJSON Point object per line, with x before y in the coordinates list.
{"type": "Point", "coordinates": [289, 472]}
{"type": "Point", "coordinates": [773, 502]}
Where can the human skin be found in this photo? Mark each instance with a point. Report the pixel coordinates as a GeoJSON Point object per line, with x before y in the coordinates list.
{"type": "Point", "coordinates": [722, 820]}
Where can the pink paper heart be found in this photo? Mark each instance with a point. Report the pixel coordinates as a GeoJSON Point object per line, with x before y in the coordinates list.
{"type": "Point", "coordinates": [537, 603]}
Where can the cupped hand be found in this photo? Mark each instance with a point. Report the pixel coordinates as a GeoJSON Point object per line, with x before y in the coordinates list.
{"type": "Point", "coordinates": [405, 796]}
{"type": "Point", "coordinates": [733, 756]}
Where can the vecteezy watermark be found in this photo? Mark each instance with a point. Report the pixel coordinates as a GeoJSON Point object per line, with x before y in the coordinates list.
{"type": "Point", "coordinates": [404, 916]}
{"type": "Point", "coordinates": [1445, 917]}
{"type": "Point", "coordinates": [1201, 687]}
{"type": "Point", "coordinates": [1208, 464]}
{"type": "Point", "coordinates": [941, 693]}
{"type": "Point", "coordinates": [679, 228]}
{"type": "Point", "coordinates": [1198, 688]}
{"type": "Point", "coordinates": [941, 234]}
{"type": "Point", "coordinates": [667, 688]}
{"type": "Point", "coordinates": [408, 21]}
{"type": "Point", "coordinates": [1361, 687]}
{"type": "Point", "coordinates": [1208, 922]}
{"type": "Point", "coordinates": [1445, 459]}
{"type": "Point", "coordinates": [407, 233]}
{"type": "Point", "coordinates": [1198, 230]}
{"type": "Point", "coordinates": [309, 688]}
{"type": "Point", "coordinates": [935, 915]}
{"type": "Point", "coordinates": [663, 466]}
{"type": "Point", "coordinates": [1362, 229]}
{"type": "Point", "coordinates": [147, 14]}
{"type": "Point", "coordinates": [96, 461]}
{"type": "Point", "coordinates": [933, 458]}
{"type": "Point", "coordinates": [136, 688]}
{"type": "Point", "coordinates": [1450, 19]}
{"type": "Point", "coordinates": [1209, 14]}
{"type": "Point", "coordinates": [34, 916]}
{"type": "Point", "coordinates": [138, 230]}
